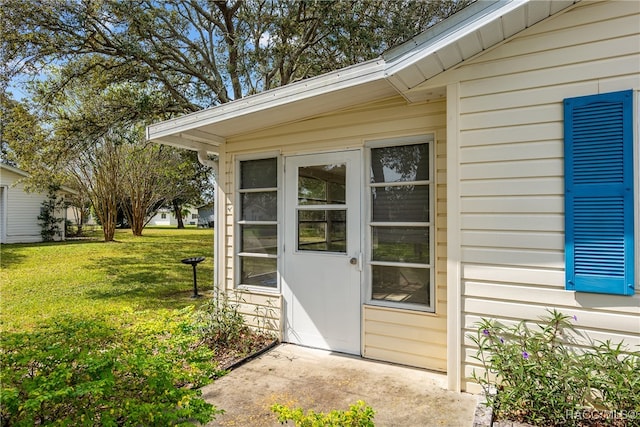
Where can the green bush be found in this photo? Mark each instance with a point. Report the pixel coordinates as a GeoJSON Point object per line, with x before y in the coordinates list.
{"type": "Point", "coordinates": [537, 376]}
{"type": "Point", "coordinates": [358, 415]}
{"type": "Point", "coordinates": [220, 323]}
{"type": "Point", "coordinates": [76, 371]}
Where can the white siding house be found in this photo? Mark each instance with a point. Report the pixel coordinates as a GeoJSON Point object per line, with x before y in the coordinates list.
{"type": "Point", "coordinates": [19, 209]}
{"type": "Point", "coordinates": [486, 168]}
{"type": "Point", "coordinates": [166, 217]}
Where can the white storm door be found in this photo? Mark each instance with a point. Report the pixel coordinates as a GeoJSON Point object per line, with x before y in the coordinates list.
{"type": "Point", "coordinates": [322, 253]}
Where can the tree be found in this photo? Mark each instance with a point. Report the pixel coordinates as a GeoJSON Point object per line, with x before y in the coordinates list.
{"type": "Point", "coordinates": [98, 172]}
{"type": "Point", "coordinates": [201, 54]}
{"type": "Point", "coordinates": [192, 184]}
{"type": "Point", "coordinates": [148, 180]}
{"type": "Point", "coordinates": [104, 66]}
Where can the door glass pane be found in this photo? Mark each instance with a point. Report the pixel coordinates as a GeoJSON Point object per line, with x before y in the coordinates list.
{"type": "Point", "coordinates": [261, 239]}
{"type": "Point", "coordinates": [322, 184]}
{"type": "Point", "coordinates": [400, 244]}
{"type": "Point", "coordinates": [322, 230]}
{"type": "Point", "coordinates": [261, 206]}
{"type": "Point", "coordinates": [258, 271]}
{"type": "Point", "coordinates": [262, 173]}
{"type": "Point", "coordinates": [400, 163]}
{"type": "Point", "coordinates": [403, 203]}
{"type": "Point", "coordinates": [400, 284]}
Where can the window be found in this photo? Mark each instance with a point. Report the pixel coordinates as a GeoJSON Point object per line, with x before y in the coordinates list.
{"type": "Point", "coordinates": [163, 216]}
{"type": "Point", "coordinates": [400, 223]}
{"type": "Point", "coordinates": [599, 205]}
{"type": "Point", "coordinates": [194, 216]}
{"type": "Point", "coordinates": [321, 210]}
{"type": "Point", "coordinates": [257, 225]}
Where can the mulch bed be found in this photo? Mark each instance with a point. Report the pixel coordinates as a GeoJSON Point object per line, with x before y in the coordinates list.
{"type": "Point", "coordinates": [251, 345]}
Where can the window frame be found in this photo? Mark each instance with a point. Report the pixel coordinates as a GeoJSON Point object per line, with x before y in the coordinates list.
{"type": "Point", "coordinates": [430, 140]}
{"type": "Point", "coordinates": [238, 222]}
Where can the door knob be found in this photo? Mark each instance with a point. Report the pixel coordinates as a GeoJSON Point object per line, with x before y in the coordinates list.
{"type": "Point", "coordinates": [353, 261]}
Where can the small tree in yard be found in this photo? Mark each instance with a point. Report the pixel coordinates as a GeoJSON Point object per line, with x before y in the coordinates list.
{"type": "Point", "coordinates": [49, 222]}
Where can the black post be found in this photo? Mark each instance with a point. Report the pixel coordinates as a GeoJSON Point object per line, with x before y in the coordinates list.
{"type": "Point", "coordinates": [195, 282]}
{"type": "Point", "coordinates": [194, 263]}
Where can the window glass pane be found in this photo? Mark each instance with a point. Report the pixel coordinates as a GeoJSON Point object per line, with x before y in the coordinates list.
{"type": "Point", "coordinates": [401, 244]}
{"type": "Point", "coordinates": [403, 203]}
{"type": "Point", "coordinates": [337, 193]}
{"type": "Point", "coordinates": [258, 271]}
{"type": "Point", "coordinates": [400, 284]}
{"type": "Point", "coordinates": [262, 173]}
{"type": "Point", "coordinates": [321, 230]}
{"type": "Point", "coordinates": [400, 163]}
{"type": "Point", "coordinates": [311, 191]}
{"type": "Point", "coordinates": [261, 239]}
{"type": "Point", "coordinates": [261, 206]}
{"type": "Point", "coordinates": [322, 184]}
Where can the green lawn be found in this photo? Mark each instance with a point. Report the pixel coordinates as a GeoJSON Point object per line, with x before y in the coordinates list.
{"type": "Point", "coordinates": [86, 278]}
{"type": "Point", "coordinates": [101, 334]}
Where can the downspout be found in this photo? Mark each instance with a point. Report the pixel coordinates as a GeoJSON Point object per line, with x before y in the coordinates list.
{"type": "Point", "coordinates": [203, 158]}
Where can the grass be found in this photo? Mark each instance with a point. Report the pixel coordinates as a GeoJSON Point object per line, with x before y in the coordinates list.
{"type": "Point", "coordinates": [98, 333]}
{"type": "Point", "coordinates": [87, 278]}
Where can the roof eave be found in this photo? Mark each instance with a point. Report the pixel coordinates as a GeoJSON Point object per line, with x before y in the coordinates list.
{"type": "Point", "coordinates": [401, 70]}
{"type": "Point", "coordinates": [186, 132]}
{"type": "Point", "coordinates": [446, 45]}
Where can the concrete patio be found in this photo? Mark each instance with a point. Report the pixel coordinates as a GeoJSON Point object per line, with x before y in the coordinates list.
{"type": "Point", "coordinates": [323, 381]}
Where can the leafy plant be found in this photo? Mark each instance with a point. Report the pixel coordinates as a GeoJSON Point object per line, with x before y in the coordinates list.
{"type": "Point", "coordinates": [220, 323]}
{"type": "Point", "coordinates": [538, 376]}
{"type": "Point", "coordinates": [50, 223]}
{"type": "Point", "coordinates": [358, 415]}
{"type": "Point", "coordinates": [76, 371]}
{"type": "Point", "coordinates": [263, 316]}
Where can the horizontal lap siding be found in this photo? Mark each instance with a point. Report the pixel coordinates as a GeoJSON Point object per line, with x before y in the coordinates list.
{"type": "Point", "coordinates": [401, 336]}
{"type": "Point", "coordinates": [511, 169]}
{"type": "Point", "coordinates": [261, 311]}
{"type": "Point", "coordinates": [410, 337]}
{"type": "Point", "coordinates": [22, 210]}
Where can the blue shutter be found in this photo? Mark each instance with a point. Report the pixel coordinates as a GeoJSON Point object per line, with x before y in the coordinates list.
{"type": "Point", "coordinates": [599, 235]}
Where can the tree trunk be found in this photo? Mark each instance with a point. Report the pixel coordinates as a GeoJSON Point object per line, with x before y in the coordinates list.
{"type": "Point", "coordinates": [177, 211]}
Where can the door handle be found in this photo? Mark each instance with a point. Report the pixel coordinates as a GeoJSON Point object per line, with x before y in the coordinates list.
{"type": "Point", "coordinates": [357, 261]}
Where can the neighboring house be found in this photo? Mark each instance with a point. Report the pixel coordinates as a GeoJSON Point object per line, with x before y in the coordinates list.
{"type": "Point", "coordinates": [166, 217]}
{"type": "Point", "coordinates": [74, 214]}
{"type": "Point", "coordinates": [19, 209]}
{"type": "Point", "coordinates": [207, 215]}
{"type": "Point", "coordinates": [384, 208]}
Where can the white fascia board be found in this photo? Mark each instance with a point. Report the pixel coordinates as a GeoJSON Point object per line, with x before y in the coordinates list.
{"type": "Point", "coordinates": [14, 170]}
{"type": "Point", "coordinates": [181, 142]}
{"type": "Point", "coordinates": [353, 76]}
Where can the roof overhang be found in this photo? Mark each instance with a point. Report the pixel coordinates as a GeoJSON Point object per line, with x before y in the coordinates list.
{"type": "Point", "coordinates": [24, 174]}
{"type": "Point", "coordinates": [402, 70]}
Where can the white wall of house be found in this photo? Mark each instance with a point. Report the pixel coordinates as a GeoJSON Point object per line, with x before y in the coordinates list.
{"type": "Point", "coordinates": [166, 217]}
{"type": "Point", "coordinates": [509, 131]}
{"type": "Point", "coordinates": [19, 210]}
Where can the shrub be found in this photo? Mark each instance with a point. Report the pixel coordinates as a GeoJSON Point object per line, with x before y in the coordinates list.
{"type": "Point", "coordinates": [358, 415]}
{"type": "Point", "coordinates": [88, 372]}
{"type": "Point", "coordinates": [220, 323]}
{"type": "Point", "coordinates": [50, 223]}
{"type": "Point", "coordinates": [537, 376]}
